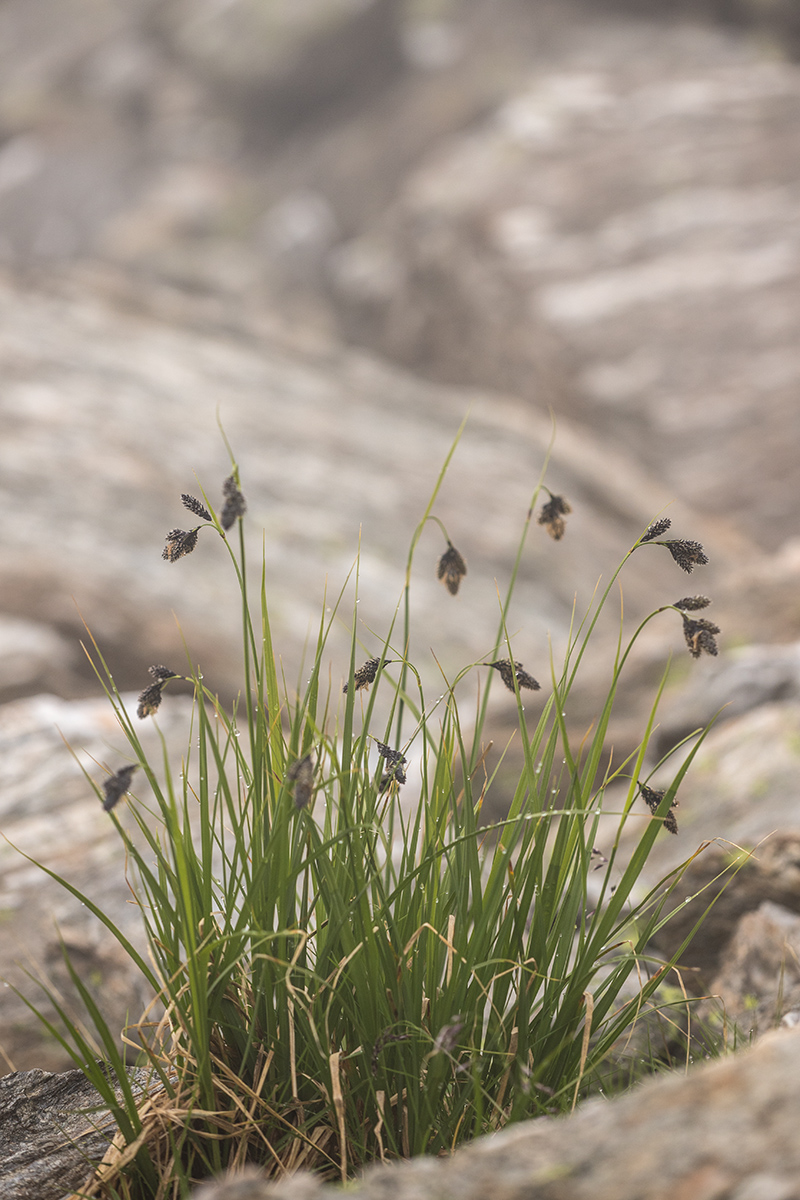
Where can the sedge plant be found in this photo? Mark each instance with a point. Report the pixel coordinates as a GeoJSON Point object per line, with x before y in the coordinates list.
{"type": "Point", "coordinates": [348, 966]}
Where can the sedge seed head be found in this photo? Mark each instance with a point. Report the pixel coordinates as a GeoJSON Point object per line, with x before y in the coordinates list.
{"type": "Point", "coordinates": [552, 516]}
{"type": "Point", "coordinates": [692, 603]}
{"type": "Point", "coordinates": [701, 636]}
{"type": "Point", "coordinates": [652, 798]}
{"type": "Point", "coordinates": [149, 700]}
{"type": "Point", "coordinates": [235, 504]}
{"type": "Point", "coordinates": [507, 670]}
{"type": "Point", "coordinates": [179, 543]}
{"type": "Point", "coordinates": [116, 786]}
{"type": "Point", "coordinates": [162, 674]}
{"type": "Point", "coordinates": [656, 529]}
{"type": "Point", "coordinates": [446, 1039]}
{"type": "Point", "coordinates": [451, 569]}
{"type": "Point", "coordinates": [687, 555]}
{"type": "Point", "coordinates": [301, 774]}
{"type": "Point", "coordinates": [195, 506]}
{"type": "Point", "coordinates": [397, 775]}
{"type": "Point", "coordinates": [391, 756]}
{"type": "Point", "coordinates": [365, 675]}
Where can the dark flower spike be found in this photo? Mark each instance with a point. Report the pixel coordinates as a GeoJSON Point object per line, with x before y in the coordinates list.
{"type": "Point", "coordinates": [235, 503]}
{"type": "Point", "coordinates": [507, 671]}
{"type": "Point", "coordinates": [194, 505]}
{"type": "Point", "coordinates": [301, 774]}
{"type": "Point", "coordinates": [652, 798]}
{"type": "Point", "coordinates": [116, 786]}
{"type": "Point", "coordinates": [692, 603]}
{"type": "Point", "coordinates": [162, 674]}
{"type": "Point", "coordinates": [656, 529]}
{"type": "Point", "coordinates": [365, 675]}
{"type": "Point", "coordinates": [598, 859]}
{"type": "Point", "coordinates": [393, 757]}
{"type": "Point", "coordinates": [398, 775]}
{"type": "Point", "coordinates": [150, 699]}
{"type": "Point", "coordinates": [700, 636]}
{"type": "Point", "coordinates": [396, 760]}
{"type": "Point", "coordinates": [687, 555]}
{"type": "Point", "coordinates": [451, 569]}
{"type": "Point", "coordinates": [552, 516]}
{"type": "Point", "coordinates": [179, 542]}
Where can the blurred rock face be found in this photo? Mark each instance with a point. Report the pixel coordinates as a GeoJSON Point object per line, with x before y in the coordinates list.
{"type": "Point", "coordinates": [50, 815]}
{"type": "Point", "coordinates": [723, 1129]}
{"type": "Point", "coordinates": [619, 239]}
{"type": "Point", "coordinates": [109, 417]}
{"type": "Point", "coordinates": [778, 20]}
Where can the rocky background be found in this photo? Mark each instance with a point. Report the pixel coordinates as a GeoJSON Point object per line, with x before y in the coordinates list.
{"type": "Point", "coordinates": [340, 225]}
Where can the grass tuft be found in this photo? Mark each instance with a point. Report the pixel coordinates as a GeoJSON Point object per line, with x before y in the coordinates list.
{"type": "Point", "coordinates": [347, 965]}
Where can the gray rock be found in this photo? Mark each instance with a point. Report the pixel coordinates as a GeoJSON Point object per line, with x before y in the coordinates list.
{"type": "Point", "coordinates": [110, 416]}
{"type": "Point", "coordinates": [727, 1128]}
{"type": "Point", "coordinates": [758, 985]}
{"type": "Point", "coordinates": [741, 788]}
{"type": "Point", "coordinates": [732, 886]}
{"type": "Point", "coordinates": [50, 815]}
{"type": "Point", "coordinates": [32, 655]}
{"type": "Point", "coordinates": [658, 304]}
{"type": "Point", "coordinates": [51, 1128]}
{"type": "Point", "coordinates": [741, 679]}
{"type": "Point", "coordinates": [96, 105]}
{"type": "Point", "coordinates": [278, 64]}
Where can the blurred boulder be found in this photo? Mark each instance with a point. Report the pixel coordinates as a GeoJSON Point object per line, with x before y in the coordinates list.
{"type": "Point", "coordinates": [727, 1128]}
{"type": "Point", "coordinates": [619, 239]}
{"type": "Point", "coordinates": [278, 64]}
{"type": "Point", "coordinates": [110, 415]}
{"type": "Point", "coordinates": [51, 818]}
{"type": "Point", "coordinates": [52, 1127]}
{"type": "Point", "coordinates": [741, 679]}
{"type": "Point", "coordinates": [107, 108]}
{"type": "Point", "coordinates": [740, 795]}
{"type": "Point", "coordinates": [32, 656]}
{"type": "Point", "coordinates": [776, 19]}
{"type": "Point", "coordinates": [758, 985]}
{"type": "Point", "coordinates": [733, 884]}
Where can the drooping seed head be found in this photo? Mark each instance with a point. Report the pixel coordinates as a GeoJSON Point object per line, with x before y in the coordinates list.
{"type": "Point", "coordinates": [391, 756]}
{"type": "Point", "coordinates": [149, 700]}
{"type": "Point", "coordinates": [451, 569]}
{"type": "Point", "coordinates": [670, 820]}
{"type": "Point", "coordinates": [507, 670]}
{"type": "Point", "coordinates": [365, 675]}
{"type": "Point", "coordinates": [235, 503]}
{"type": "Point", "coordinates": [398, 775]}
{"type": "Point", "coordinates": [446, 1039]}
{"type": "Point", "coordinates": [700, 636]}
{"type": "Point", "coordinates": [162, 674]}
{"type": "Point", "coordinates": [552, 516]}
{"type": "Point", "coordinates": [652, 798]}
{"type": "Point", "coordinates": [687, 555]}
{"type": "Point", "coordinates": [179, 542]}
{"type": "Point", "coordinates": [116, 786]}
